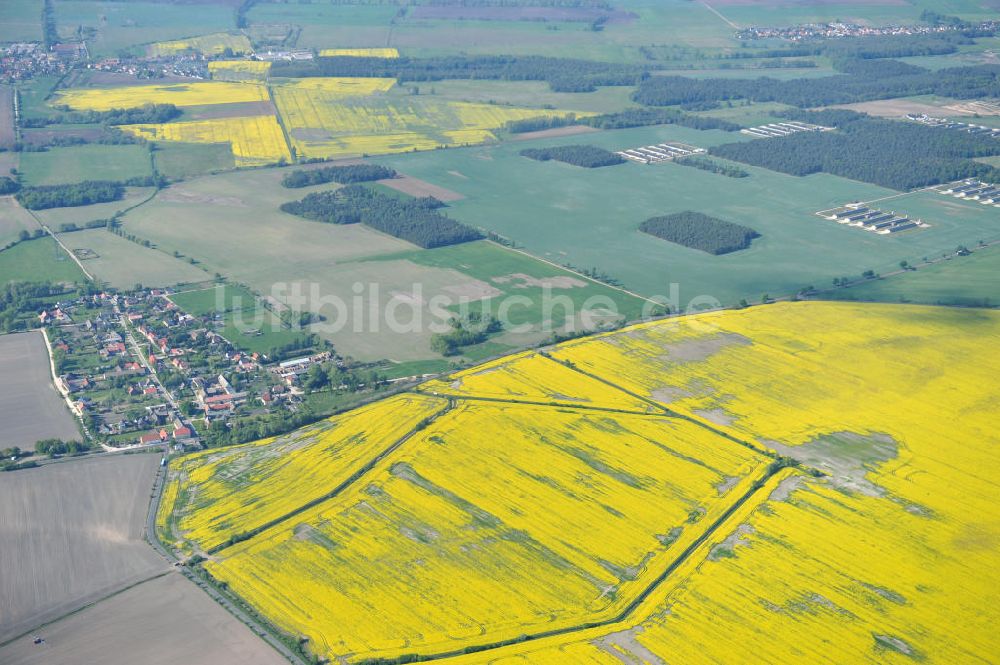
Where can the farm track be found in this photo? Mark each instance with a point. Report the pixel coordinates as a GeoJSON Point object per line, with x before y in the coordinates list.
{"type": "Point", "coordinates": [730, 518]}
{"type": "Point", "coordinates": [669, 412]}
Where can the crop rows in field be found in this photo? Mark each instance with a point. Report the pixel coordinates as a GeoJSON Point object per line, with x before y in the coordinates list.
{"type": "Point", "coordinates": [213, 44]}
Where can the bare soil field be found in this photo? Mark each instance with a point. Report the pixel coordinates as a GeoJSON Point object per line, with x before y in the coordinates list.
{"type": "Point", "coordinates": [72, 534]}
{"type": "Point", "coordinates": [30, 407]}
{"type": "Point", "coordinates": [7, 133]}
{"type": "Point", "coordinates": [164, 621]}
{"type": "Point", "coordinates": [571, 130]}
{"type": "Point", "coordinates": [13, 220]}
{"type": "Point", "coordinates": [893, 108]}
{"type": "Point", "coordinates": [417, 187]}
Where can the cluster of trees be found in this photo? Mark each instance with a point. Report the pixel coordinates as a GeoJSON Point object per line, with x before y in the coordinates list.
{"type": "Point", "coordinates": [587, 156]}
{"type": "Point", "coordinates": [19, 300]}
{"type": "Point", "coordinates": [53, 447]}
{"type": "Point", "coordinates": [340, 379]}
{"type": "Point", "coordinates": [881, 80]}
{"type": "Point", "coordinates": [111, 136]}
{"type": "Point", "coordinates": [149, 113]}
{"type": "Point", "coordinates": [712, 166]}
{"type": "Point", "coordinates": [8, 185]}
{"type": "Point", "coordinates": [645, 117]}
{"type": "Point", "coordinates": [699, 231]}
{"type": "Point", "coordinates": [625, 119]}
{"type": "Point", "coordinates": [473, 328]}
{"type": "Point", "coordinates": [889, 153]}
{"type": "Point", "coordinates": [562, 74]}
{"type": "Point", "coordinates": [344, 175]}
{"type": "Point", "coordinates": [79, 193]}
{"type": "Point", "coordinates": [414, 220]}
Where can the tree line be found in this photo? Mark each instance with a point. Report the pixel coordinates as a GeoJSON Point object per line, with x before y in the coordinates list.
{"type": "Point", "coordinates": [890, 153]}
{"type": "Point", "coordinates": [882, 80]}
{"type": "Point", "coordinates": [700, 231]}
{"type": "Point", "coordinates": [76, 194]}
{"type": "Point", "coordinates": [712, 166]}
{"type": "Point", "coordinates": [345, 175]}
{"type": "Point", "coordinates": [149, 113]}
{"type": "Point", "coordinates": [562, 74]}
{"type": "Point", "coordinates": [587, 156]}
{"type": "Point", "coordinates": [623, 120]}
{"type": "Point", "coordinates": [414, 220]}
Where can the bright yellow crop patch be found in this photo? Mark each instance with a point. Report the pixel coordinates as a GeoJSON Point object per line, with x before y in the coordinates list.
{"type": "Point", "coordinates": [239, 70]}
{"type": "Point", "coordinates": [255, 141]}
{"type": "Point", "coordinates": [238, 489]}
{"type": "Point", "coordinates": [178, 94]}
{"type": "Point", "coordinates": [360, 52]}
{"type": "Point", "coordinates": [530, 377]}
{"type": "Point", "coordinates": [649, 538]}
{"type": "Point", "coordinates": [339, 117]}
{"type": "Point", "coordinates": [213, 44]}
{"type": "Point", "coordinates": [499, 497]}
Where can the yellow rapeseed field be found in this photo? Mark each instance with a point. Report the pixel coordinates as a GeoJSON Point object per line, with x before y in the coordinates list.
{"type": "Point", "coordinates": [337, 117]}
{"type": "Point", "coordinates": [658, 539]}
{"type": "Point", "coordinates": [239, 70]}
{"type": "Point", "coordinates": [238, 489]}
{"type": "Point", "coordinates": [213, 44]}
{"type": "Point", "coordinates": [360, 52]}
{"type": "Point", "coordinates": [255, 141]}
{"type": "Point", "coordinates": [500, 497]}
{"type": "Point", "coordinates": [530, 377]}
{"type": "Point", "coordinates": [178, 94]}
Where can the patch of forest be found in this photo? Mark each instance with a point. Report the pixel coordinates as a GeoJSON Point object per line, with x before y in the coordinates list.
{"type": "Point", "coordinates": [623, 120]}
{"type": "Point", "coordinates": [879, 79]}
{"type": "Point", "coordinates": [414, 220]}
{"type": "Point", "coordinates": [712, 166]}
{"type": "Point", "coordinates": [562, 74]}
{"type": "Point", "coordinates": [587, 156]}
{"type": "Point", "coordinates": [345, 175]}
{"type": "Point", "coordinates": [891, 153]}
{"type": "Point", "coordinates": [700, 231]}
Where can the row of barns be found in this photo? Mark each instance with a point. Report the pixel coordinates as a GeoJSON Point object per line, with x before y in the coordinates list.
{"type": "Point", "coordinates": [661, 152]}
{"type": "Point", "coordinates": [782, 129]}
{"type": "Point", "coordinates": [945, 123]}
{"type": "Point", "coordinates": [975, 190]}
{"type": "Point", "coordinates": [873, 219]}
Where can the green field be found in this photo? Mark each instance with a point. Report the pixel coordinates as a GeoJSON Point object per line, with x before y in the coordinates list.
{"type": "Point", "coordinates": [115, 25]}
{"type": "Point", "coordinates": [589, 217]}
{"type": "Point", "coordinates": [177, 161]}
{"type": "Point", "coordinates": [38, 261]}
{"type": "Point", "coordinates": [216, 299]}
{"type": "Point", "coordinates": [33, 93]}
{"type": "Point", "coordinates": [242, 235]}
{"type": "Point", "coordinates": [85, 162]}
{"type": "Point", "coordinates": [13, 220]}
{"type": "Point", "coordinates": [961, 280]}
{"type": "Point", "coordinates": [123, 264]}
{"type": "Point", "coordinates": [20, 20]}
